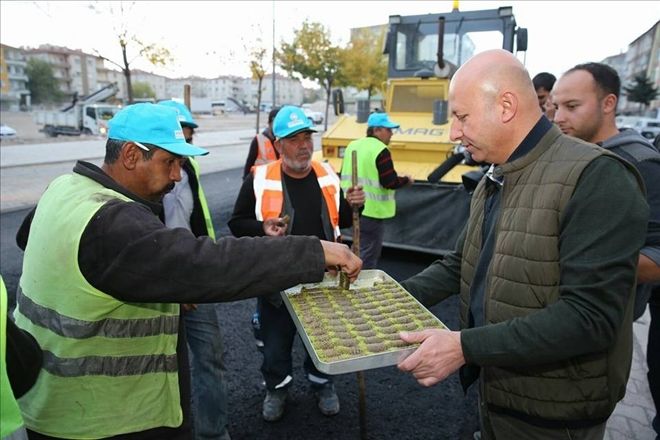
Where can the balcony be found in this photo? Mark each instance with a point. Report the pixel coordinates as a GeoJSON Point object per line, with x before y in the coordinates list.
{"type": "Point", "coordinates": [18, 77]}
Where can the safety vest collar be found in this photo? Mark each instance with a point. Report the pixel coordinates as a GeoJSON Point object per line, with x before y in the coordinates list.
{"type": "Point", "coordinates": [270, 199]}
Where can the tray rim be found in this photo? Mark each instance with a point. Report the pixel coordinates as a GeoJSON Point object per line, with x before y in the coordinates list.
{"type": "Point", "coordinates": [361, 363]}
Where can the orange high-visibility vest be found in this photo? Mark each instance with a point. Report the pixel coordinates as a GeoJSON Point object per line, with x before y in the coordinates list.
{"type": "Point", "coordinates": [265, 151]}
{"type": "Point", "coordinates": [270, 199]}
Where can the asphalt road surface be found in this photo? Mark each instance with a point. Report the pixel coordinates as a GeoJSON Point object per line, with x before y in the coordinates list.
{"type": "Point", "coordinates": [397, 407]}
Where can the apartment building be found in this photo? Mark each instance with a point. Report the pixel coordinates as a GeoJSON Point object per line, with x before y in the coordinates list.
{"type": "Point", "coordinates": [107, 76]}
{"type": "Point", "coordinates": [157, 83]}
{"type": "Point", "coordinates": [75, 70]}
{"type": "Point", "coordinates": [643, 57]}
{"type": "Point", "coordinates": [287, 90]}
{"type": "Point", "coordinates": [14, 93]}
{"type": "Point", "coordinates": [83, 73]}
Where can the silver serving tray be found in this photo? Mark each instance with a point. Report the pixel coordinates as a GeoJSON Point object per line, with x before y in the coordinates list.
{"type": "Point", "coordinates": [366, 278]}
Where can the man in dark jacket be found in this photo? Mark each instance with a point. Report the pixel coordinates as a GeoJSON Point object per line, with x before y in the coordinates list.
{"type": "Point", "coordinates": [308, 193]}
{"type": "Point", "coordinates": [545, 267]}
{"type": "Point", "coordinates": [586, 97]}
{"type": "Point", "coordinates": [103, 276]}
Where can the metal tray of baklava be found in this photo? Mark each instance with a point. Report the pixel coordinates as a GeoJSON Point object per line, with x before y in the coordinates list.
{"type": "Point", "coordinates": [345, 331]}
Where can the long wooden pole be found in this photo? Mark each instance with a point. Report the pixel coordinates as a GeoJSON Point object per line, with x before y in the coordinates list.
{"type": "Point", "coordinates": [356, 251]}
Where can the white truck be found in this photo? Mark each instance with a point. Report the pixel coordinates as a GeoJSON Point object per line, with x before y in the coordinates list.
{"type": "Point", "coordinates": [87, 115]}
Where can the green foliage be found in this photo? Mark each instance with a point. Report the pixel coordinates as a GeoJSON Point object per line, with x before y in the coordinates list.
{"type": "Point", "coordinates": [365, 66]}
{"type": "Point", "coordinates": [257, 59]}
{"type": "Point", "coordinates": [143, 90]}
{"type": "Point", "coordinates": [156, 55]}
{"type": "Point", "coordinates": [313, 56]}
{"type": "Point", "coordinates": [642, 91]}
{"type": "Point", "coordinates": [42, 82]}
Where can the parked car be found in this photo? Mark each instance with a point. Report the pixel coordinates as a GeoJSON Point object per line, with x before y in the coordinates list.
{"type": "Point", "coordinates": [647, 127]}
{"type": "Point", "coordinates": [6, 132]}
{"type": "Point", "coordinates": [315, 117]}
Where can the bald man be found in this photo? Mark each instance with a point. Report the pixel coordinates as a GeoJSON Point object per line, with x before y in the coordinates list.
{"type": "Point", "coordinates": [545, 267]}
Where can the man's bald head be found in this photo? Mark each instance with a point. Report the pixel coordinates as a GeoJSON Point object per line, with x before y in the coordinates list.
{"type": "Point", "coordinates": [494, 72]}
{"type": "Point", "coordinates": [494, 105]}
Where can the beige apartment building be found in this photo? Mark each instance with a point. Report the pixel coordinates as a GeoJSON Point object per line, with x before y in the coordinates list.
{"type": "Point", "coordinates": [14, 93]}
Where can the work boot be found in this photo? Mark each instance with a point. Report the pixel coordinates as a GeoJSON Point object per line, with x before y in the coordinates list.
{"type": "Point", "coordinates": [328, 400]}
{"type": "Point", "coordinates": [273, 408]}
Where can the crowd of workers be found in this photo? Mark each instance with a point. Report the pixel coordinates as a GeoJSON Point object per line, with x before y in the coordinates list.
{"type": "Point", "coordinates": [115, 332]}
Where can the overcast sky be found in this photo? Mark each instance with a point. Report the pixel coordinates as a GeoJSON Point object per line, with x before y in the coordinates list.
{"type": "Point", "coordinates": [209, 38]}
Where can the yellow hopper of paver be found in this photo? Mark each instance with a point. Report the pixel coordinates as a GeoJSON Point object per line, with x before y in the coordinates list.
{"type": "Point", "coordinates": [424, 51]}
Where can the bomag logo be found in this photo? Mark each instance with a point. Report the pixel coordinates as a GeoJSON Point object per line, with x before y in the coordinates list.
{"type": "Point", "coordinates": [419, 131]}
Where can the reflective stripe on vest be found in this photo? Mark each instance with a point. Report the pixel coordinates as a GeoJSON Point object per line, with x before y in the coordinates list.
{"type": "Point", "coordinates": [98, 351]}
{"type": "Point", "coordinates": [202, 200]}
{"type": "Point", "coordinates": [265, 150]}
{"type": "Point", "coordinates": [10, 415]}
{"type": "Point", "coordinates": [379, 201]}
{"type": "Point", "coordinates": [270, 200]}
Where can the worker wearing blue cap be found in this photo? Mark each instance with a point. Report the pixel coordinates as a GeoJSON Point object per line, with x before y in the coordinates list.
{"type": "Point", "coordinates": [186, 207]}
{"type": "Point", "coordinates": [291, 196]}
{"type": "Point", "coordinates": [103, 278]}
{"type": "Point", "coordinates": [379, 179]}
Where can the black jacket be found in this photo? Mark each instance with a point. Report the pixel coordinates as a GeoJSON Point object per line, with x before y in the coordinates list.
{"type": "Point", "coordinates": [127, 252]}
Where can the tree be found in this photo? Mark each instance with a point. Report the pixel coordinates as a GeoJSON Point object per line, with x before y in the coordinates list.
{"type": "Point", "coordinates": [365, 66]}
{"type": "Point", "coordinates": [42, 82]}
{"type": "Point", "coordinates": [313, 56]}
{"type": "Point", "coordinates": [258, 55]}
{"type": "Point", "coordinates": [642, 91]}
{"type": "Point", "coordinates": [153, 53]}
{"type": "Point", "coordinates": [143, 90]}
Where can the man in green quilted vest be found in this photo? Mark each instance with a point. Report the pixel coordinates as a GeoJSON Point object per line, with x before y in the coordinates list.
{"type": "Point", "coordinates": [545, 268]}
{"type": "Point", "coordinates": [379, 180]}
{"type": "Point", "coordinates": [103, 278]}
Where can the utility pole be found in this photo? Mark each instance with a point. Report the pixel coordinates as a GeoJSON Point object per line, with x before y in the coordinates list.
{"type": "Point", "coordinates": [273, 106]}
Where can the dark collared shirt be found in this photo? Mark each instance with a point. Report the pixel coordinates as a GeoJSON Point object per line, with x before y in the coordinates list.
{"type": "Point", "coordinates": [491, 214]}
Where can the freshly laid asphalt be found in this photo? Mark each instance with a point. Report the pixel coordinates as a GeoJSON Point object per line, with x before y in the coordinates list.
{"type": "Point", "coordinates": [26, 170]}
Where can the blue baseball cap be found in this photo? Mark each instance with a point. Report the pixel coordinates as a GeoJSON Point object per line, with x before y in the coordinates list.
{"type": "Point", "coordinates": [380, 120]}
{"type": "Point", "coordinates": [291, 120]}
{"type": "Point", "coordinates": [152, 124]}
{"type": "Point", "coordinates": [185, 117]}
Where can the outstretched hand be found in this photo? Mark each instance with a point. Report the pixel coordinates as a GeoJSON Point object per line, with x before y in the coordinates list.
{"type": "Point", "coordinates": [337, 254]}
{"type": "Point", "coordinates": [438, 356]}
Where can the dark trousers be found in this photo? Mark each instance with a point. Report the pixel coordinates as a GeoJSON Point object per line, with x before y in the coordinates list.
{"type": "Point", "coordinates": [207, 368]}
{"type": "Point", "coordinates": [653, 354]}
{"type": "Point", "coordinates": [278, 331]}
{"type": "Point", "coordinates": [372, 231]}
